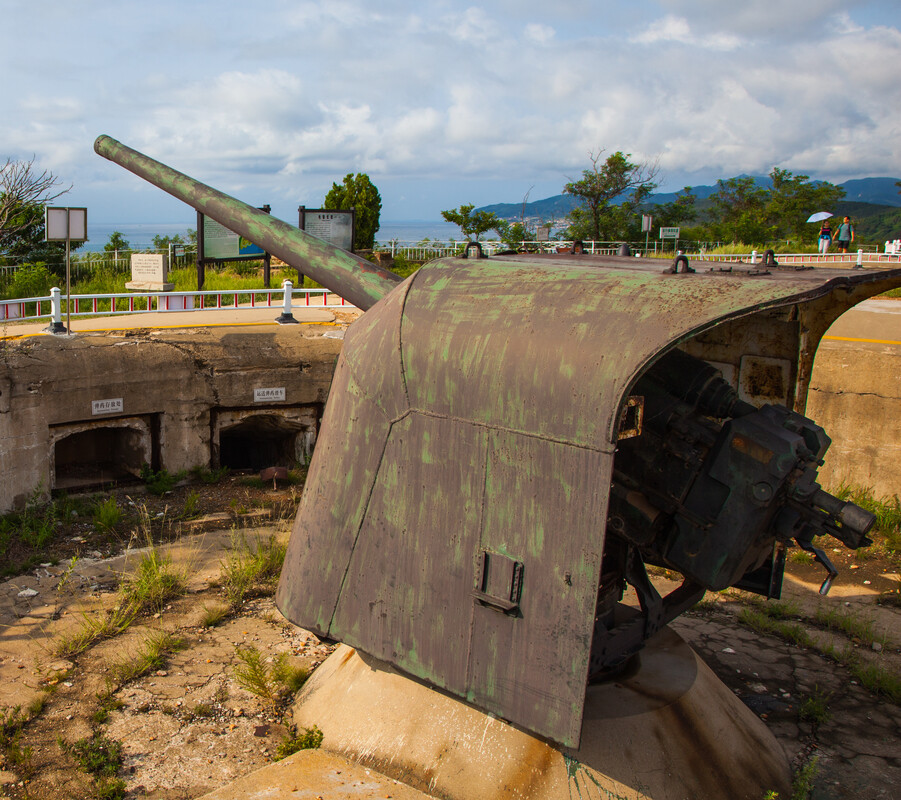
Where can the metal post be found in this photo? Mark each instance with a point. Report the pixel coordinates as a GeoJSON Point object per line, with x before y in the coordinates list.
{"type": "Point", "coordinates": [286, 317]}
{"type": "Point", "coordinates": [753, 256]}
{"type": "Point", "coordinates": [56, 312]}
{"type": "Point", "coordinates": [68, 280]}
{"type": "Point", "coordinates": [859, 264]}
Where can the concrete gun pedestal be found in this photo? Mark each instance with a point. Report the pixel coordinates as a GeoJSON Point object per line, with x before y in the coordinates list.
{"type": "Point", "coordinates": [668, 729]}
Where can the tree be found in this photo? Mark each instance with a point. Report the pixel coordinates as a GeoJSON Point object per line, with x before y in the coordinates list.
{"type": "Point", "coordinates": [678, 212]}
{"type": "Point", "coordinates": [359, 193]}
{"type": "Point", "coordinates": [116, 242]}
{"type": "Point", "coordinates": [163, 242]}
{"type": "Point", "coordinates": [738, 210]}
{"type": "Point", "coordinates": [792, 200]}
{"type": "Point", "coordinates": [474, 224]}
{"type": "Point", "coordinates": [599, 186]}
{"type": "Point", "coordinates": [745, 212]}
{"type": "Point", "coordinates": [23, 194]}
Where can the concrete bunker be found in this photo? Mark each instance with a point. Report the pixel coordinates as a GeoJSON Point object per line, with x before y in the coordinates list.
{"type": "Point", "coordinates": [253, 439]}
{"type": "Point", "coordinates": [99, 452]}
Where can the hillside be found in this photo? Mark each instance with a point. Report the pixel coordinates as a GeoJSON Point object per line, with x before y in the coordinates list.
{"type": "Point", "coordinates": [869, 200]}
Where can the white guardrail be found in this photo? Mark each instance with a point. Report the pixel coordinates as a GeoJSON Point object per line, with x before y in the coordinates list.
{"type": "Point", "coordinates": [53, 306]}
{"type": "Point", "coordinates": [105, 305]}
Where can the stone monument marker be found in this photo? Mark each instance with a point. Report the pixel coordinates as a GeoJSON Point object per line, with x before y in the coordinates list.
{"type": "Point", "coordinates": [149, 272]}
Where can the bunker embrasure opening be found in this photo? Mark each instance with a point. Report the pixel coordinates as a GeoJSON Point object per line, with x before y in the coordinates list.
{"type": "Point", "coordinates": [96, 454]}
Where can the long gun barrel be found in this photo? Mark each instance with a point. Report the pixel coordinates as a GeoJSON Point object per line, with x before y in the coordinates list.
{"type": "Point", "coordinates": [357, 280]}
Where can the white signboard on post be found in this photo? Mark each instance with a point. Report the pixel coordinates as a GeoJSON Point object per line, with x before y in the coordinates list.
{"type": "Point", "coordinates": [669, 233]}
{"type": "Point", "coordinates": [333, 226]}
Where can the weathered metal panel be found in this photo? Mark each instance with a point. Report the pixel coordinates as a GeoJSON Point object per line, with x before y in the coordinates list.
{"type": "Point", "coordinates": [334, 501]}
{"type": "Point", "coordinates": [408, 582]}
{"type": "Point", "coordinates": [533, 666]}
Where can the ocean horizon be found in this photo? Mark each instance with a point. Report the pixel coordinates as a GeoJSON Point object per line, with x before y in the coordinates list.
{"type": "Point", "coordinates": [140, 235]}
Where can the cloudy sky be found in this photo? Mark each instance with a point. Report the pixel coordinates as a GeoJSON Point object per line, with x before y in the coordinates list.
{"type": "Point", "coordinates": [444, 102]}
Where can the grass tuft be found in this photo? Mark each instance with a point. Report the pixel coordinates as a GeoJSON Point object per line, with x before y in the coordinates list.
{"type": "Point", "coordinates": [107, 514]}
{"type": "Point", "coordinates": [152, 654]}
{"type": "Point", "coordinates": [252, 570]}
{"type": "Point", "coordinates": [761, 622]}
{"type": "Point", "coordinates": [97, 754]}
{"type": "Point", "coordinates": [815, 708]}
{"type": "Point", "coordinates": [153, 583]}
{"type": "Point", "coordinates": [309, 739]}
{"type": "Point", "coordinates": [849, 624]}
{"type": "Point", "coordinates": [214, 614]}
{"type": "Point", "coordinates": [271, 682]}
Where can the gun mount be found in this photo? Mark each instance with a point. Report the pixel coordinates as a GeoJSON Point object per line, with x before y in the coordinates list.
{"type": "Point", "coordinates": [508, 441]}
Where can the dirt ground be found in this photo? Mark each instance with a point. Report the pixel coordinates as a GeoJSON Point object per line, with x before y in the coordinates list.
{"type": "Point", "coordinates": [187, 727]}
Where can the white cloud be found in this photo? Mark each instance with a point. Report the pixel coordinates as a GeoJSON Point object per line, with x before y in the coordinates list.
{"type": "Point", "coordinates": [539, 33]}
{"type": "Point", "coordinates": [676, 29]}
{"type": "Point", "coordinates": [282, 99]}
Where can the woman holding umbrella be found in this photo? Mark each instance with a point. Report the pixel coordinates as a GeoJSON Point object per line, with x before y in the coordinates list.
{"type": "Point", "coordinates": [825, 237]}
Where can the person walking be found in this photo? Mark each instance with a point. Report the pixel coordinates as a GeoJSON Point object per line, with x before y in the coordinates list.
{"type": "Point", "coordinates": [825, 238]}
{"type": "Point", "coordinates": [844, 235]}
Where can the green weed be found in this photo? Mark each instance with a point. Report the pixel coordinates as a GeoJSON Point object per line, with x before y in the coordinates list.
{"type": "Point", "coordinates": [160, 482]}
{"type": "Point", "coordinates": [97, 755]}
{"type": "Point", "coordinates": [153, 583]}
{"type": "Point", "coordinates": [207, 475]}
{"type": "Point", "coordinates": [270, 682]}
{"type": "Point", "coordinates": [108, 703]}
{"type": "Point", "coordinates": [192, 505]}
{"type": "Point", "coordinates": [252, 570]}
{"type": "Point", "coordinates": [815, 708]}
{"type": "Point", "coordinates": [800, 557]}
{"type": "Point", "coordinates": [309, 739]}
{"type": "Point", "coordinates": [156, 647]}
{"type": "Point", "coordinates": [110, 789]}
{"type": "Point", "coordinates": [760, 622]}
{"type": "Point", "coordinates": [878, 679]}
{"type": "Point", "coordinates": [94, 627]}
{"type": "Point", "coordinates": [107, 514]}
{"type": "Point", "coordinates": [849, 624]}
{"type": "Point", "coordinates": [802, 785]}
{"type": "Point", "coordinates": [213, 615]}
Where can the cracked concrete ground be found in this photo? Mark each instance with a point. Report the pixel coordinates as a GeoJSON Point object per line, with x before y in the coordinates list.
{"type": "Point", "coordinates": [189, 727]}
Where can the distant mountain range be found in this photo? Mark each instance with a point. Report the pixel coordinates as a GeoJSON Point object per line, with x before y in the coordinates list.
{"type": "Point", "coordinates": [875, 191]}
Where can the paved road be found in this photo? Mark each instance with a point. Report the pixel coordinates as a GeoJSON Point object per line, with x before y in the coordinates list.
{"type": "Point", "coordinates": [875, 322]}
{"type": "Point", "coordinates": [226, 317]}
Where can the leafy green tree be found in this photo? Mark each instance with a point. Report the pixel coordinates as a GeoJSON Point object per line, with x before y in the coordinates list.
{"type": "Point", "coordinates": [163, 242]}
{"type": "Point", "coordinates": [359, 193]}
{"type": "Point", "coordinates": [680, 211]}
{"type": "Point", "coordinates": [116, 242]}
{"type": "Point", "coordinates": [474, 224]}
{"type": "Point", "coordinates": [514, 234]}
{"type": "Point", "coordinates": [738, 208]}
{"type": "Point", "coordinates": [792, 200]}
{"type": "Point", "coordinates": [742, 211]}
{"type": "Point", "coordinates": [596, 218]}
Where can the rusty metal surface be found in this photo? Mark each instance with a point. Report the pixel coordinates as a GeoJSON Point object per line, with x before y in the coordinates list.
{"type": "Point", "coordinates": [357, 280]}
{"type": "Point", "coordinates": [475, 411]}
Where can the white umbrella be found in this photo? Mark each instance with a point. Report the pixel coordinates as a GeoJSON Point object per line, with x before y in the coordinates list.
{"type": "Point", "coordinates": [819, 216]}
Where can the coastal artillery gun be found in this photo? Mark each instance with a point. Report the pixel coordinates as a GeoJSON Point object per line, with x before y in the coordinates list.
{"type": "Point", "coordinates": [509, 441]}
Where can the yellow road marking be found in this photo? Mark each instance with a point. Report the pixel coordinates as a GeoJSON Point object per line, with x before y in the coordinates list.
{"type": "Point", "coordinates": [162, 327]}
{"type": "Point", "coordinates": [865, 341]}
